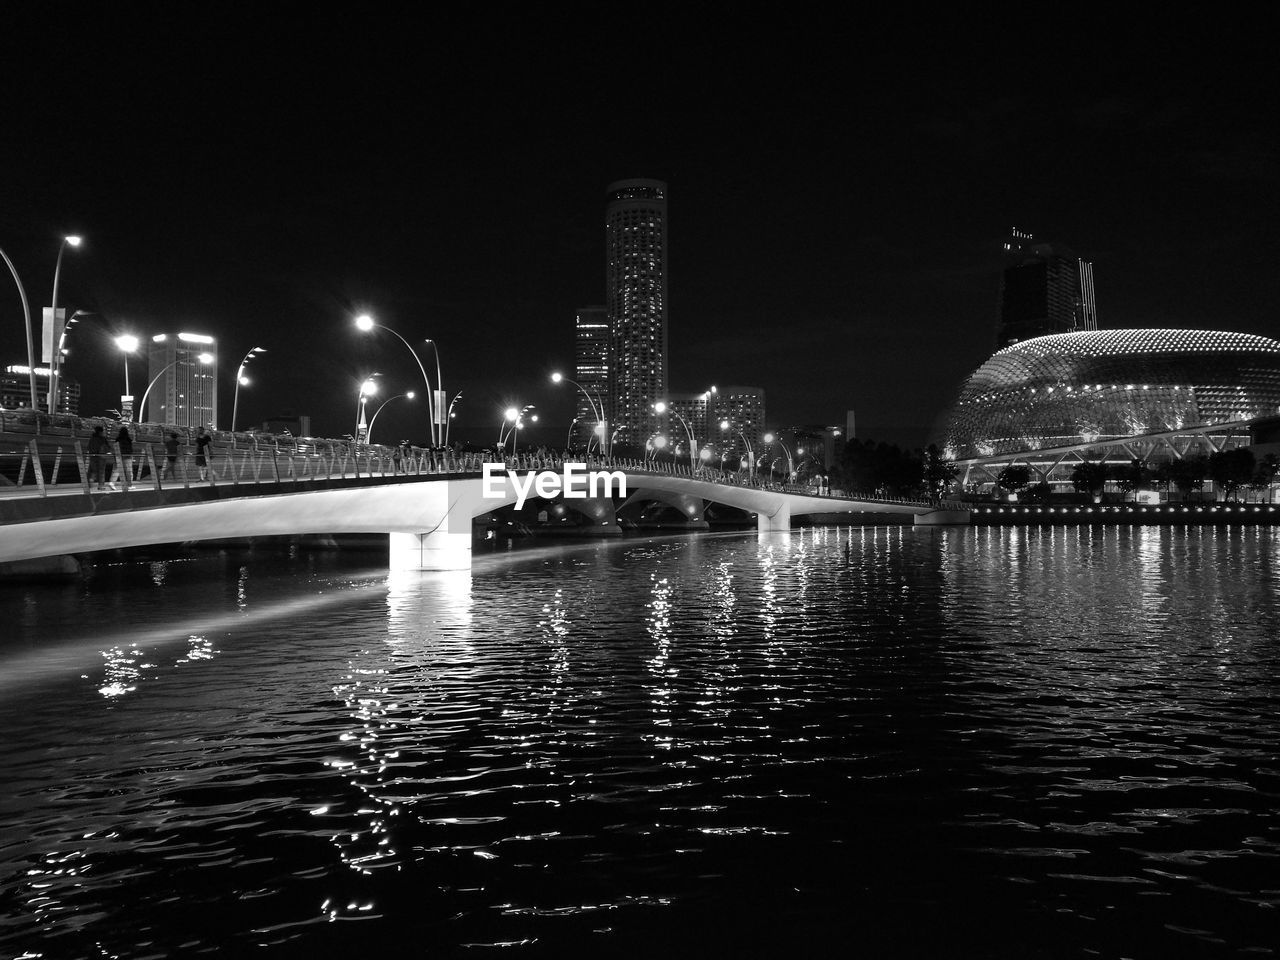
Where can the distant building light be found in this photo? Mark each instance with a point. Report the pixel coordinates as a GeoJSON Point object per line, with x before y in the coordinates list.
{"type": "Point", "coordinates": [160, 338]}
{"type": "Point", "coordinates": [195, 338]}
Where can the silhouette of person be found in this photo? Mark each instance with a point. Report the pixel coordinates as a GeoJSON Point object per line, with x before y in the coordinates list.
{"type": "Point", "coordinates": [203, 440]}
{"type": "Point", "coordinates": [99, 448]}
{"type": "Point", "coordinates": [171, 456]}
{"type": "Point", "coordinates": [125, 444]}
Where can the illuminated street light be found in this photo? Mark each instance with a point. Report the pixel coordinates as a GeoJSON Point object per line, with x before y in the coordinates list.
{"type": "Point", "coordinates": [26, 313]}
{"type": "Point", "coordinates": [662, 407]}
{"type": "Point", "coordinates": [725, 426]}
{"type": "Point", "coordinates": [791, 468]}
{"type": "Point", "coordinates": [128, 344]}
{"type": "Point", "coordinates": [513, 420]}
{"type": "Point", "coordinates": [56, 330]}
{"type": "Point", "coordinates": [367, 390]}
{"type": "Point", "coordinates": [597, 408]}
{"type": "Point", "coordinates": [365, 323]}
{"type": "Point", "coordinates": [242, 381]}
{"type": "Point", "coordinates": [142, 407]}
{"type": "Point", "coordinates": [369, 433]}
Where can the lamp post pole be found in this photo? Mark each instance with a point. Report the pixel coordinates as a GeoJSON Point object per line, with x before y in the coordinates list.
{"type": "Point", "coordinates": [437, 440]}
{"type": "Point", "coordinates": [366, 323]}
{"type": "Point", "coordinates": [448, 420]}
{"type": "Point", "coordinates": [26, 313]}
{"type": "Point", "coordinates": [597, 407]}
{"type": "Point", "coordinates": [369, 432]}
{"type": "Point", "coordinates": [661, 407]}
{"type": "Point", "coordinates": [367, 389]}
{"type": "Point", "coordinates": [241, 379]}
{"type": "Point", "coordinates": [127, 343]}
{"type": "Point", "coordinates": [55, 332]}
{"type": "Point", "coordinates": [142, 407]}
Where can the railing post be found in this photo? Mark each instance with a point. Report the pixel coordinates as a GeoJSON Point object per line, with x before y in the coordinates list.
{"type": "Point", "coordinates": [151, 465]}
{"type": "Point", "coordinates": [83, 465]}
{"type": "Point", "coordinates": [39, 470]}
{"type": "Point", "coordinates": [57, 465]}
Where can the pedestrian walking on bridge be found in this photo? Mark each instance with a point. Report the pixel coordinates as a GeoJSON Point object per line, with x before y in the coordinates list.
{"type": "Point", "coordinates": [99, 450]}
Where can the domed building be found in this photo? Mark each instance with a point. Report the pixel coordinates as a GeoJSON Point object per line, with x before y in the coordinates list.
{"type": "Point", "coordinates": [1077, 389]}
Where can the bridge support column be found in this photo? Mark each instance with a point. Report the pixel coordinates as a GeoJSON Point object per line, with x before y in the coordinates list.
{"type": "Point", "coordinates": [780, 522]}
{"type": "Point", "coordinates": [441, 550]}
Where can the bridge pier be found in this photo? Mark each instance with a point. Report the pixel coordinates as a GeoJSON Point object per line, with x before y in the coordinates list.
{"type": "Point", "coordinates": [780, 522]}
{"type": "Point", "coordinates": [441, 550]}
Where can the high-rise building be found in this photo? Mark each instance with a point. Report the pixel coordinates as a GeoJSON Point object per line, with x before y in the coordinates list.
{"type": "Point", "coordinates": [689, 413]}
{"type": "Point", "coordinates": [183, 380]}
{"type": "Point", "coordinates": [1044, 288]}
{"type": "Point", "coordinates": [15, 390]}
{"type": "Point", "coordinates": [743, 409]}
{"type": "Point", "coordinates": [636, 300]}
{"type": "Point", "coordinates": [591, 366]}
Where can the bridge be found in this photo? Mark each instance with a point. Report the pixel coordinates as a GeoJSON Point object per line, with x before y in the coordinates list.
{"type": "Point", "coordinates": [425, 501]}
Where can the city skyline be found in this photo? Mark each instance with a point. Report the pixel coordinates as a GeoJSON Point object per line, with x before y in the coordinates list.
{"type": "Point", "coordinates": [839, 250]}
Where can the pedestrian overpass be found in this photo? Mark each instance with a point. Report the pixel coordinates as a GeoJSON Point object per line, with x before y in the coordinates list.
{"type": "Point", "coordinates": [425, 503]}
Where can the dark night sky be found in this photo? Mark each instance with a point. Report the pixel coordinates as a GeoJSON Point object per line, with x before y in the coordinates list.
{"type": "Point", "coordinates": [839, 189]}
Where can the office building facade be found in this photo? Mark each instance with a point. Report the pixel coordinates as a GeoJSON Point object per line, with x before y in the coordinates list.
{"type": "Point", "coordinates": [15, 390]}
{"type": "Point", "coordinates": [743, 409]}
{"type": "Point", "coordinates": [636, 304]}
{"type": "Point", "coordinates": [183, 378]}
{"type": "Point", "coordinates": [1044, 289]}
{"type": "Point", "coordinates": [591, 369]}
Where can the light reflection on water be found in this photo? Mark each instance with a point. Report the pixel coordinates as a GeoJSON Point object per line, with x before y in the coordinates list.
{"type": "Point", "coordinates": [909, 741]}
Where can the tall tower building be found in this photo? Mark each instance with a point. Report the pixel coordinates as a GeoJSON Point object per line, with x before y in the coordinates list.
{"type": "Point", "coordinates": [183, 369]}
{"type": "Point", "coordinates": [636, 300]}
{"type": "Point", "coordinates": [1044, 288]}
{"type": "Point", "coordinates": [591, 366]}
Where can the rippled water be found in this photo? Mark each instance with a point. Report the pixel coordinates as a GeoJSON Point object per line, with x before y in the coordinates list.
{"type": "Point", "coordinates": [870, 742]}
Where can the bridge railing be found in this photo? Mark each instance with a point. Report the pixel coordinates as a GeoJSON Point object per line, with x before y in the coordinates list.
{"type": "Point", "coordinates": [58, 458]}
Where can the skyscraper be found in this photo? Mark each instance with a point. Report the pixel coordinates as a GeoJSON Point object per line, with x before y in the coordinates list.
{"type": "Point", "coordinates": [1044, 288]}
{"type": "Point", "coordinates": [184, 370]}
{"type": "Point", "coordinates": [591, 365]}
{"type": "Point", "coordinates": [636, 300]}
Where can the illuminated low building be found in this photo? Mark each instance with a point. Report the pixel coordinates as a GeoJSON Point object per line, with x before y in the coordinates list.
{"type": "Point", "coordinates": [1114, 394]}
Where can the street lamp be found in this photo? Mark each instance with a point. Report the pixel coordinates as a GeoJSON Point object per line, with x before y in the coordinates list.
{"type": "Point", "coordinates": [661, 407]}
{"type": "Point", "coordinates": [597, 408]}
{"type": "Point", "coordinates": [791, 469]}
{"type": "Point", "coordinates": [56, 331]}
{"type": "Point", "coordinates": [725, 426]}
{"type": "Point", "coordinates": [128, 344]}
{"type": "Point", "coordinates": [568, 440]}
{"type": "Point", "coordinates": [653, 445]}
{"type": "Point", "coordinates": [26, 313]}
{"type": "Point", "coordinates": [438, 400]}
{"type": "Point", "coordinates": [448, 420]}
{"type": "Point", "coordinates": [513, 420]}
{"type": "Point", "coordinates": [242, 380]}
{"type": "Point", "coordinates": [142, 407]}
{"type": "Point", "coordinates": [366, 323]}
{"type": "Point", "coordinates": [369, 433]}
{"type": "Point", "coordinates": [367, 389]}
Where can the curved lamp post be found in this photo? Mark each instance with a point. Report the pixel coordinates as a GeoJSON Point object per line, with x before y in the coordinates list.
{"type": "Point", "coordinates": [366, 323]}
{"type": "Point", "coordinates": [597, 408]}
{"type": "Point", "coordinates": [725, 426]}
{"type": "Point", "coordinates": [661, 407]}
{"type": "Point", "coordinates": [203, 358]}
{"type": "Point", "coordinates": [367, 389]}
{"type": "Point", "coordinates": [513, 420]}
{"type": "Point", "coordinates": [242, 380]}
{"type": "Point", "coordinates": [448, 420]}
{"type": "Point", "coordinates": [68, 241]}
{"type": "Point", "coordinates": [369, 433]}
{"type": "Point", "coordinates": [791, 467]}
{"type": "Point", "coordinates": [128, 344]}
{"type": "Point", "coordinates": [26, 313]}
{"type": "Point", "coordinates": [438, 430]}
